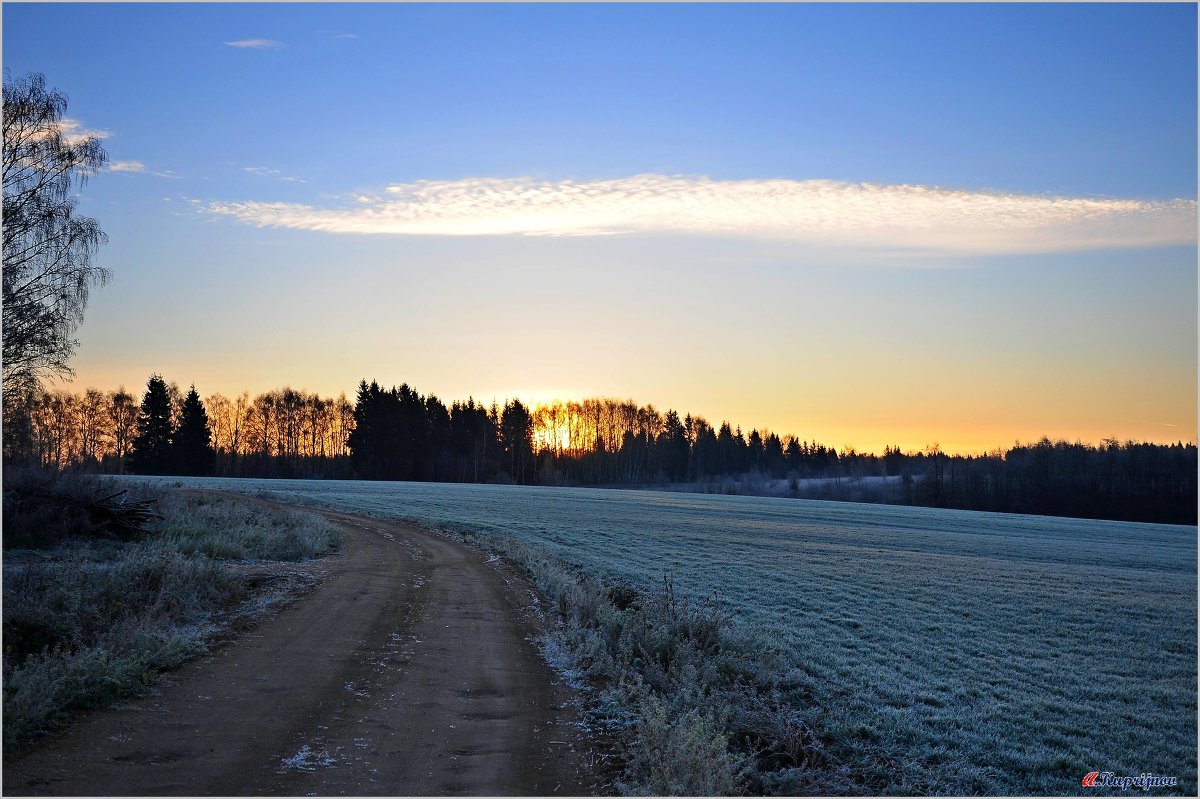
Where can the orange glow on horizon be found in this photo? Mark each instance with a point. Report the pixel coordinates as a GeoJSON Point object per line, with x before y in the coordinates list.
{"type": "Point", "coordinates": [819, 419]}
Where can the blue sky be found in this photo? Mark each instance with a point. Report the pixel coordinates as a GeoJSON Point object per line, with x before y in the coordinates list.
{"type": "Point", "coordinates": [397, 135]}
{"type": "Point", "coordinates": [1096, 99]}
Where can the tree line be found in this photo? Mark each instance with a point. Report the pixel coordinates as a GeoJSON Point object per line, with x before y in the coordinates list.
{"type": "Point", "coordinates": [400, 434]}
{"type": "Point", "coordinates": [280, 433]}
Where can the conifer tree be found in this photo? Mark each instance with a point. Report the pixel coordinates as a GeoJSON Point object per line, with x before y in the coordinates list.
{"type": "Point", "coordinates": [363, 437]}
{"type": "Point", "coordinates": [192, 444]}
{"type": "Point", "coordinates": [152, 446]}
{"type": "Point", "coordinates": [516, 431]}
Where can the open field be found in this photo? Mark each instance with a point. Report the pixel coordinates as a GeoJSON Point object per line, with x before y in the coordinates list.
{"type": "Point", "coordinates": [1003, 654]}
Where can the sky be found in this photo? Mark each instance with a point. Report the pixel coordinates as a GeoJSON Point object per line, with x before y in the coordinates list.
{"type": "Point", "coordinates": [861, 224]}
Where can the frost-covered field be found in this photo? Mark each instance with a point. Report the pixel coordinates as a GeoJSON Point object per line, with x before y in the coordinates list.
{"type": "Point", "coordinates": [1025, 651]}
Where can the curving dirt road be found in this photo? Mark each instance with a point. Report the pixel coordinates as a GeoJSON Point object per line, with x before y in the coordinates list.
{"type": "Point", "coordinates": [408, 671]}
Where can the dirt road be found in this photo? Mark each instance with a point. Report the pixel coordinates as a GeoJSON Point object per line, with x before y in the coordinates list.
{"type": "Point", "coordinates": [408, 671]}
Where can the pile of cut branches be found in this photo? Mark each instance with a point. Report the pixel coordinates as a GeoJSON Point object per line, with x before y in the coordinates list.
{"type": "Point", "coordinates": [42, 510]}
{"type": "Point", "coordinates": [113, 516]}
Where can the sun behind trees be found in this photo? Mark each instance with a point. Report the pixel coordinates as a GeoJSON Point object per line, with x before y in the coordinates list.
{"type": "Point", "coordinates": [399, 434]}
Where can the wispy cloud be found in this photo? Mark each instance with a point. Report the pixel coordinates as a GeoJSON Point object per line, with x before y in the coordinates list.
{"type": "Point", "coordinates": [139, 168]}
{"type": "Point", "coordinates": [806, 211]}
{"type": "Point", "coordinates": [346, 36]}
{"type": "Point", "coordinates": [73, 131]}
{"type": "Point", "coordinates": [256, 44]}
{"type": "Point", "coordinates": [267, 172]}
{"type": "Point", "coordinates": [126, 166]}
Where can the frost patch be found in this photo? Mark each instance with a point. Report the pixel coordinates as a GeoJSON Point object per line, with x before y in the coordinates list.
{"type": "Point", "coordinates": [306, 759]}
{"type": "Point", "coordinates": [559, 658]}
{"type": "Point", "coordinates": [535, 603]}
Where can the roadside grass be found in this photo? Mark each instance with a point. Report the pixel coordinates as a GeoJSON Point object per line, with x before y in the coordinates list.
{"type": "Point", "coordinates": [89, 617]}
{"type": "Point", "coordinates": [695, 704]}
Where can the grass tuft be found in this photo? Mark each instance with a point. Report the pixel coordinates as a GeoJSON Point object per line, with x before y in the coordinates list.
{"type": "Point", "coordinates": [232, 529]}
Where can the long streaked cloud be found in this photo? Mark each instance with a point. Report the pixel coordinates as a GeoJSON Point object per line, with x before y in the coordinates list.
{"type": "Point", "coordinates": [255, 44]}
{"type": "Point", "coordinates": [818, 212]}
